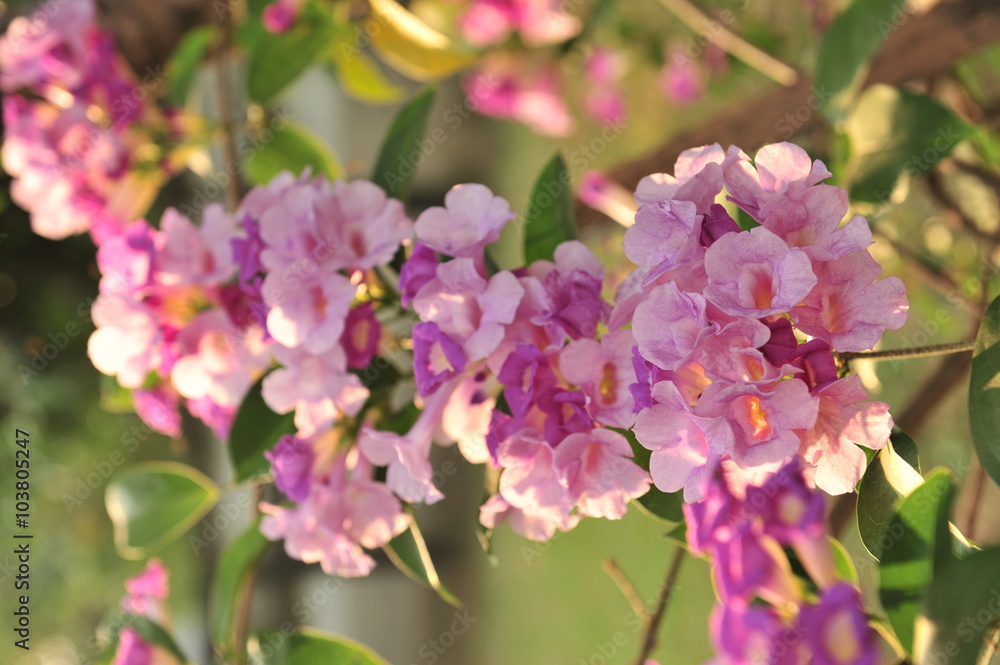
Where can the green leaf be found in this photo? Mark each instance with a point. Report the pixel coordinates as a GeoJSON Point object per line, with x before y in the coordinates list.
{"type": "Point", "coordinates": [183, 66]}
{"type": "Point", "coordinates": [843, 563]}
{"type": "Point", "coordinates": [292, 148]}
{"type": "Point", "coordinates": [892, 475]}
{"type": "Point", "coordinates": [666, 506]}
{"type": "Point", "coordinates": [359, 76]}
{"type": "Point", "coordinates": [984, 392]}
{"type": "Point", "coordinates": [152, 503]}
{"type": "Point", "coordinates": [275, 60]}
{"type": "Point", "coordinates": [230, 584]}
{"type": "Point", "coordinates": [154, 633]}
{"type": "Point", "coordinates": [410, 46]}
{"type": "Point", "coordinates": [395, 167]}
{"type": "Point", "coordinates": [919, 545]}
{"type": "Point", "coordinates": [408, 552]}
{"type": "Point", "coordinates": [256, 428]}
{"type": "Point", "coordinates": [309, 646]}
{"type": "Point", "coordinates": [150, 632]}
{"type": "Point", "coordinates": [549, 219]}
{"type": "Point", "coordinates": [961, 604]}
{"type": "Point", "coordinates": [894, 132]}
{"type": "Point", "coordinates": [848, 45]}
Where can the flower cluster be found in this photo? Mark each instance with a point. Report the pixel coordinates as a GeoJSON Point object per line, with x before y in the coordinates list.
{"type": "Point", "coordinates": [746, 530]}
{"type": "Point", "coordinates": [70, 112]}
{"type": "Point", "coordinates": [146, 597]}
{"type": "Point", "coordinates": [721, 316]}
{"type": "Point", "coordinates": [535, 332]}
{"type": "Point", "coordinates": [197, 314]}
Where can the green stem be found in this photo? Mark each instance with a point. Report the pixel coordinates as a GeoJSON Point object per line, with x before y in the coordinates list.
{"type": "Point", "coordinates": [913, 352]}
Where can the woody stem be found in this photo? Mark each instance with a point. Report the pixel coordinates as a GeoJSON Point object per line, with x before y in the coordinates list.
{"type": "Point", "coordinates": [913, 352]}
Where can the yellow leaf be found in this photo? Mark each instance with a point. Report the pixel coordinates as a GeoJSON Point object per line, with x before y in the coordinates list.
{"type": "Point", "coordinates": [360, 77]}
{"type": "Point", "coordinates": [410, 46]}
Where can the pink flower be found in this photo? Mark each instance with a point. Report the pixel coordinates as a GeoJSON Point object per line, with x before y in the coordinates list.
{"type": "Point", "coordinates": [436, 357]}
{"type": "Point", "coordinates": [71, 175]}
{"type": "Point", "coordinates": [280, 15]}
{"type": "Point", "coordinates": [308, 313]}
{"type": "Point", "coordinates": [362, 333]}
{"type": "Point", "coordinates": [218, 361]}
{"type": "Point", "coordinates": [410, 474]}
{"type": "Point", "coordinates": [127, 343]}
{"type": "Point", "coordinates": [363, 227]}
{"type": "Point", "coordinates": [318, 387]}
{"type": "Point", "coordinates": [664, 237]}
{"type": "Point", "coordinates": [341, 515]}
{"type": "Point", "coordinates": [132, 649]}
{"type": "Point", "coordinates": [762, 420]}
{"type": "Point", "coordinates": [777, 169]}
{"type": "Point", "coordinates": [417, 271]}
{"type": "Point", "coordinates": [681, 80]}
{"type": "Point", "coordinates": [160, 409]}
{"type": "Point", "coordinates": [604, 371]}
{"type": "Point", "coordinates": [596, 470]}
{"type": "Point", "coordinates": [488, 23]}
{"type": "Point", "coordinates": [467, 307]}
{"type": "Point", "coordinates": [126, 260]}
{"type": "Point", "coordinates": [603, 194]}
{"type": "Point", "coordinates": [188, 254]}
{"type": "Point", "coordinates": [837, 629]}
{"type": "Point", "coordinates": [686, 447]}
{"type": "Point", "coordinates": [670, 325]}
{"type": "Point", "coordinates": [573, 289]}
{"type": "Point", "coordinates": [845, 418]}
{"type": "Point", "coordinates": [292, 461]}
{"type": "Point", "coordinates": [756, 274]}
{"type": "Point", "coordinates": [531, 484]}
{"type": "Point", "coordinates": [848, 309]}
{"type": "Point", "coordinates": [52, 46]}
{"type": "Point", "coordinates": [147, 591]}
{"type": "Point", "coordinates": [509, 87]}
{"type": "Point", "coordinates": [471, 219]}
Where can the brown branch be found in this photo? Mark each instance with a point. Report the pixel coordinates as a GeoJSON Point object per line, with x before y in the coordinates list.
{"type": "Point", "coordinates": [922, 46]}
{"type": "Point", "coordinates": [649, 643]}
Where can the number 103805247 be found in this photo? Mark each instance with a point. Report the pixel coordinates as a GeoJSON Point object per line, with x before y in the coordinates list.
{"type": "Point", "coordinates": [22, 475]}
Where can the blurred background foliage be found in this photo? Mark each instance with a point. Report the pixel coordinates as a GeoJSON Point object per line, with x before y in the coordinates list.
{"type": "Point", "coordinates": [541, 603]}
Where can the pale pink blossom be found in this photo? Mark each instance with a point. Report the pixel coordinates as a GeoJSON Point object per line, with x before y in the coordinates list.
{"type": "Point", "coordinates": [471, 218]}
{"type": "Point", "coordinates": [410, 474]}
{"type": "Point", "coordinates": [217, 361]}
{"type": "Point", "coordinates": [756, 274]}
{"type": "Point", "coordinates": [467, 307]}
{"type": "Point", "coordinates": [603, 370]}
{"type": "Point", "coordinates": [308, 312]}
{"type": "Point", "coordinates": [596, 469]}
{"type": "Point", "coordinates": [128, 340]}
{"type": "Point", "coordinates": [849, 309]}
{"type": "Point", "coordinates": [342, 514]}
{"type": "Point", "coordinates": [317, 387]}
{"type": "Point", "coordinates": [833, 461]}
{"type": "Point", "coordinates": [189, 254]}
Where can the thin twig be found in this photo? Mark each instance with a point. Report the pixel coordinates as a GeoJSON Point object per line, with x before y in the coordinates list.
{"type": "Point", "coordinates": [938, 279]}
{"type": "Point", "coordinates": [649, 643]}
{"type": "Point", "coordinates": [732, 43]}
{"type": "Point", "coordinates": [234, 188]}
{"type": "Point", "coordinates": [912, 352]}
{"type": "Point", "coordinates": [628, 589]}
{"type": "Point", "coordinates": [241, 629]}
